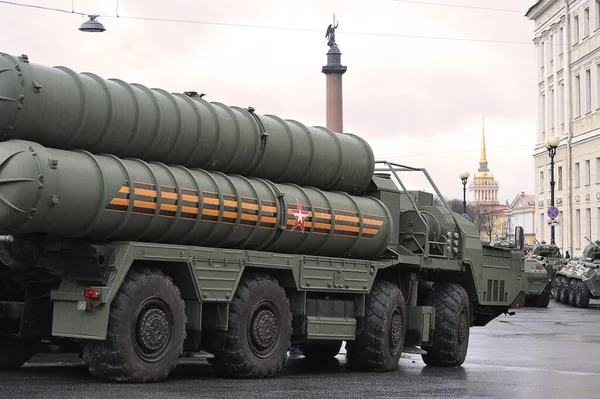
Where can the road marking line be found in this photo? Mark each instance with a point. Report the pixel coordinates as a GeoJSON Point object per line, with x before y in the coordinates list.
{"type": "Point", "coordinates": [518, 368]}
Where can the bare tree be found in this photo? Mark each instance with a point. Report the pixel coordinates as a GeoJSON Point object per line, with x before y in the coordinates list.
{"type": "Point", "coordinates": [455, 204]}
{"type": "Point", "coordinates": [485, 217]}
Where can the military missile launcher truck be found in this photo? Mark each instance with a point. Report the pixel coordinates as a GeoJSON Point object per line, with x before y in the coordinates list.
{"type": "Point", "coordinates": [577, 282]}
{"type": "Point", "coordinates": [143, 226]}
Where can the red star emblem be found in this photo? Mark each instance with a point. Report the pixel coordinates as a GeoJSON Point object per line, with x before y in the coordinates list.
{"type": "Point", "coordinates": [300, 215]}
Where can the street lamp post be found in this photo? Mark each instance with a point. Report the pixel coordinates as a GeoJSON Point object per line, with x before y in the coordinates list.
{"type": "Point", "coordinates": [551, 144]}
{"type": "Point", "coordinates": [463, 177]}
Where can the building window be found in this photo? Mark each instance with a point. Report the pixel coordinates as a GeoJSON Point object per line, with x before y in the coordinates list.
{"type": "Point", "coordinates": [576, 176]}
{"type": "Point", "coordinates": [575, 29]}
{"type": "Point", "coordinates": [541, 182]}
{"type": "Point", "coordinates": [551, 48]}
{"type": "Point", "coordinates": [587, 172]}
{"type": "Point", "coordinates": [560, 232]}
{"type": "Point", "coordinates": [542, 221]}
{"type": "Point", "coordinates": [551, 109]}
{"type": "Point", "coordinates": [597, 13]}
{"type": "Point", "coordinates": [588, 91]}
{"type": "Point", "coordinates": [577, 96]}
{"type": "Point", "coordinates": [597, 222]}
{"type": "Point", "coordinates": [578, 229]}
{"type": "Point", "coordinates": [560, 40]}
{"type": "Point", "coordinates": [559, 177]}
{"type": "Point", "coordinates": [588, 223]}
{"type": "Point", "coordinates": [561, 100]}
{"type": "Point", "coordinates": [543, 113]}
{"type": "Point", "coordinates": [586, 22]}
{"type": "Point", "coordinates": [597, 86]}
{"type": "Point", "coordinates": [598, 170]}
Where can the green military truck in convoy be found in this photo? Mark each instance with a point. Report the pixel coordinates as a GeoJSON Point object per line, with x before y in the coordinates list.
{"type": "Point", "coordinates": [142, 226]}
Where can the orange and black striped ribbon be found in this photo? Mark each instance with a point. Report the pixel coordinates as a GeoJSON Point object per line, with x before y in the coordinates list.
{"type": "Point", "coordinates": [145, 201]}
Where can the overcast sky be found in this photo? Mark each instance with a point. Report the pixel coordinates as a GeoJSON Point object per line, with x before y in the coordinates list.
{"type": "Point", "coordinates": [413, 93]}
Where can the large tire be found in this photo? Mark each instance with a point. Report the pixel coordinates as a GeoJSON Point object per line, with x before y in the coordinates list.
{"type": "Point", "coordinates": [260, 329]}
{"type": "Point", "coordinates": [452, 323]}
{"type": "Point", "coordinates": [565, 290]}
{"type": "Point", "coordinates": [558, 290]}
{"type": "Point", "coordinates": [379, 346]}
{"type": "Point", "coordinates": [321, 351]}
{"type": "Point", "coordinates": [572, 292]}
{"type": "Point", "coordinates": [15, 353]}
{"type": "Point", "coordinates": [146, 330]}
{"type": "Point", "coordinates": [582, 295]}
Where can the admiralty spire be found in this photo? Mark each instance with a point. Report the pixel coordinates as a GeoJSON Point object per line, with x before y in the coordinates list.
{"type": "Point", "coordinates": [484, 187]}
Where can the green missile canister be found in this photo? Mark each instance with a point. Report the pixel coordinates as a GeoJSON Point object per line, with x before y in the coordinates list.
{"type": "Point", "coordinates": [75, 194]}
{"type": "Point", "coordinates": [62, 109]}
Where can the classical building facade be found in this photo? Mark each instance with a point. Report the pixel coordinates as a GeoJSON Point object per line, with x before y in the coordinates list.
{"type": "Point", "coordinates": [567, 46]}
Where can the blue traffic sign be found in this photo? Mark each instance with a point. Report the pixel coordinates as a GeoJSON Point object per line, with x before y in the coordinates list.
{"type": "Point", "coordinates": [553, 212]}
{"type": "Point", "coordinates": [465, 216]}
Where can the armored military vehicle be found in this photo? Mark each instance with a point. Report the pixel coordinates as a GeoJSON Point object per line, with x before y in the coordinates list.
{"type": "Point", "coordinates": [551, 258]}
{"type": "Point", "coordinates": [577, 281]}
{"type": "Point", "coordinates": [143, 226]}
{"type": "Point", "coordinates": [537, 275]}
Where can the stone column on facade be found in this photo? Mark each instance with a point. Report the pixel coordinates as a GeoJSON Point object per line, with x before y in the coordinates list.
{"type": "Point", "coordinates": [556, 58]}
{"type": "Point", "coordinates": [566, 78]}
{"type": "Point", "coordinates": [546, 76]}
{"type": "Point", "coordinates": [536, 41]}
{"type": "Point", "coordinates": [334, 104]}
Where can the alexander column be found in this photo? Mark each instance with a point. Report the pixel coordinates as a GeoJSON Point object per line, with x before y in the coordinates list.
{"type": "Point", "coordinates": [334, 71]}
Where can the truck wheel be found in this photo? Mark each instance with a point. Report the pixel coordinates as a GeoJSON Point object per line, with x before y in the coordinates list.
{"type": "Point", "coordinates": [451, 333]}
{"type": "Point", "coordinates": [14, 353]}
{"type": "Point", "coordinates": [562, 289]}
{"type": "Point", "coordinates": [565, 291]}
{"type": "Point", "coordinates": [321, 351]}
{"type": "Point", "coordinates": [379, 346]}
{"type": "Point", "coordinates": [582, 295]}
{"type": "Point", "coordinates": [572, 292]}
{"type": "Point", "coordinates": [260, 329]}
{"type": "Point", "coordinates": [558, 291]}
{"type": "Point", "coordinates": [146, 330]}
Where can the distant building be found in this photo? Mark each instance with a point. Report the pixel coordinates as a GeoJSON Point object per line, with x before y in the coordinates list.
{"type": "Point", "coordinates": [567, 46]}
{"type": "Point", "coordinates": [521, 212]}
{"type": "Point", "coordinates": [485, 198]}
{"type": "Point", "coordinates": [484, 187]}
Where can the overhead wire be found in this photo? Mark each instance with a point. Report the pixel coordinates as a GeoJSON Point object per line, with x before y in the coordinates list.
{"type": "Point", "coordinates": [288, 28]}
{"type": "Point", "coordinates": [429, 3]}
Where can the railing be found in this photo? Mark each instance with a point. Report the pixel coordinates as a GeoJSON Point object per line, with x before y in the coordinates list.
{"type": "Point", "coordinates": [394, 169]}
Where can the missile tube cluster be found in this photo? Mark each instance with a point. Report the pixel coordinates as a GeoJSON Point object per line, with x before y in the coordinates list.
{"type": "Point", "coordinates": [85, 157]}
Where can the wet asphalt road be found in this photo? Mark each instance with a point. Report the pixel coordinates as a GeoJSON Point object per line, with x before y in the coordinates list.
{"type": "Point", "coordinates": [537, 353]}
